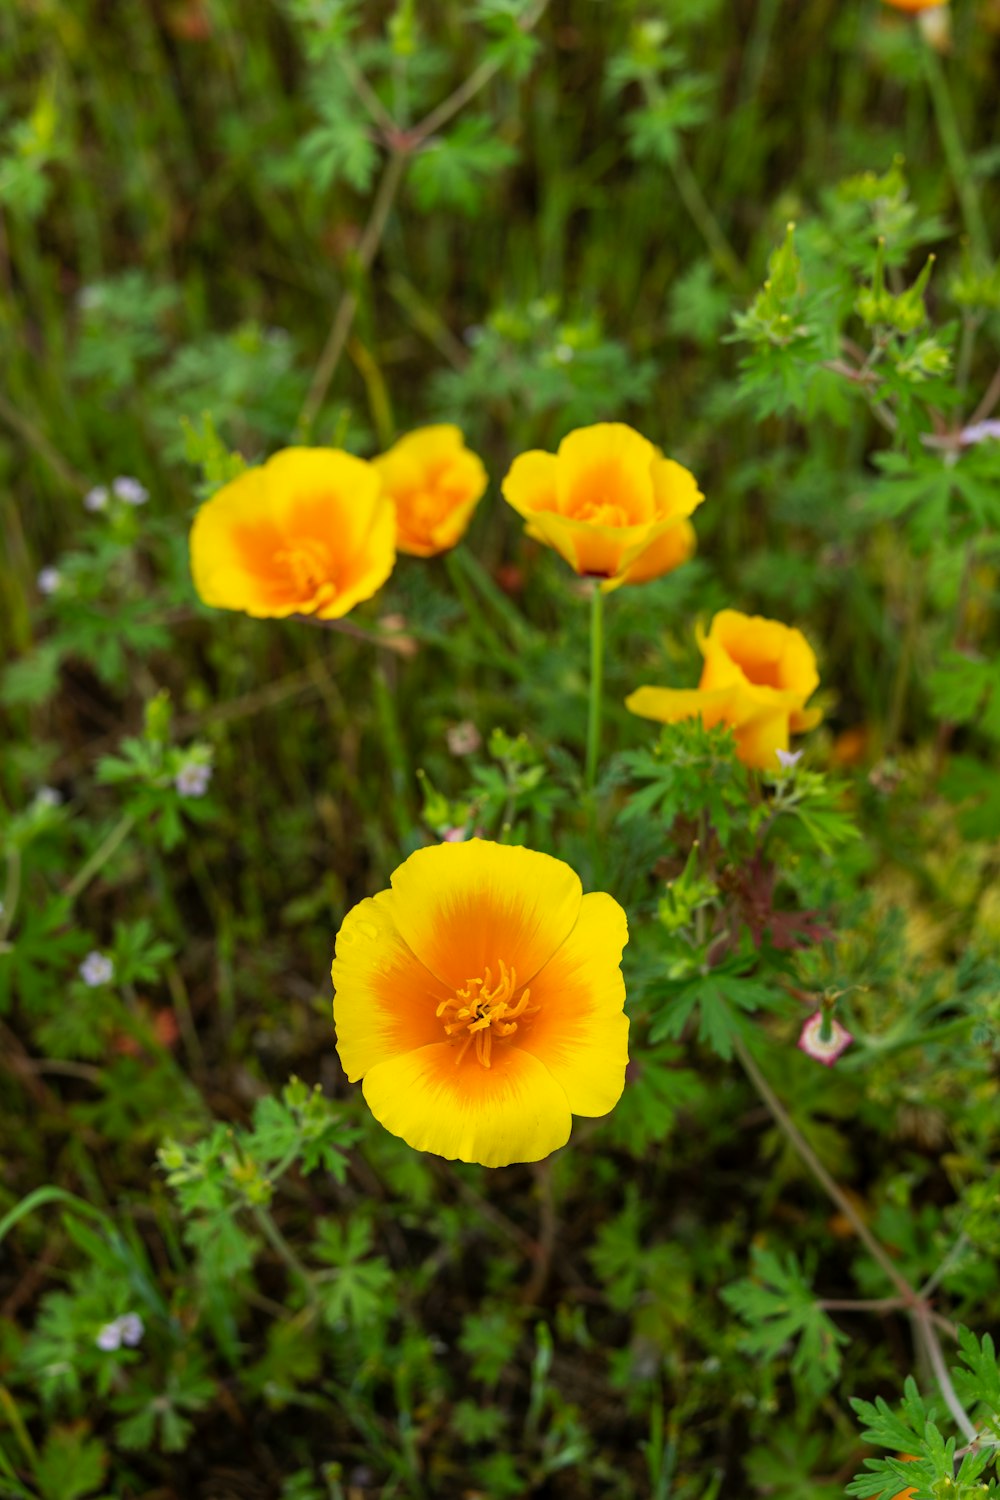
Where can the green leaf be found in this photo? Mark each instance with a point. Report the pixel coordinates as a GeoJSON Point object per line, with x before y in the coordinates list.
{"type": "Point", "coordinates": [353, 1294]}
{"type": "Point", "coordinates": [340, 149]}
{"type": "Point", "coordinates": [71, 1464]}
{"type": "Point", "coordinates": [32, 679]}
{"type": "Point", "coordinates": [778, 1305]}
{"type": "Point", "coordinates": [721, 1000]}
{"type": "Point", "coordinates": [453, 170]}
{"type": "Point", "coordinates": [974, 788]}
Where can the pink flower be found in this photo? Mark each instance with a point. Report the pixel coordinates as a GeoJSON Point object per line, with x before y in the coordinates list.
{"type": "Point", "coordinates": [825, 1051]}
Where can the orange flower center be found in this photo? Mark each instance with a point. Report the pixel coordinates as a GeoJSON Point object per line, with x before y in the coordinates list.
{"type": "Point", "coordinates": [601, 513]}
{"type": "Point", "coordinates": [485, 1011]}
{"type": "Point", "coordinates": [759, 670]}
{"type": "Point", "coordinates": [309, 565]}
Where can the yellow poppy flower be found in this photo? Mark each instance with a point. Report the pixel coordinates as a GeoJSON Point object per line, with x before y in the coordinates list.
{"type": "Point", "coordinates": [609, 503]}
{"type": "Point", "coordinates": [757, 677]}
{"type": "Point", "coordinates": [435, 482]}
{"type": "Point", "coordinates": [480, 1001]}
{"type": "Point", "coordinates": [308, 533]}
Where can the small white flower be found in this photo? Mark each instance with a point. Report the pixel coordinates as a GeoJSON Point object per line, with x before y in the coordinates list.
{"type": "Point", "coordinates": [463, 738]}
{"type": "Point", "coordinates": [788, 758]}
{"type": "Point", "coordinates": [813, 1045]}
{"type": "Point", "coordinates": [49, 580]}
{"type": "Point", "coordinates": [97, 969]}
{"type": "Point", "coordinates": [130, 490]}
{"type": "Point", "coordinates": [454, 836]}
{"type": "Point", "coordinates": [564, 354]}
{"type": "Point", "coordinates": [127, 1330]}
{"type": "Point", "coordinates": [132, 1329]}
{"type": "Point", "coordinates": [192, 780]}
{"type": "Point", "coordinates": [110, 1336]}
{"type": "Point", "coordinates": [47, 796]}
{"type": "Point", "coordinates": [96, 498]}
{"type": "Point", "coordinates": [89, 297]}
{"type": "Point", "coordinates": [978, 432]}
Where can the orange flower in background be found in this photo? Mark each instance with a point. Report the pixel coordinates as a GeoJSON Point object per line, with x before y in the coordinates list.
{"type": "Point", "coordinates": [757, 677]}
{"type": "Point", "coordinates": [912, 6]}
{"type": "Point", "coordinates": [435, 483]}
{"type": "Point", "coordinates": [308, 533]}
{"type": "Point", "coordinates": [609, 503]}
{"type": "Point", "coordinates": [480, 1001]}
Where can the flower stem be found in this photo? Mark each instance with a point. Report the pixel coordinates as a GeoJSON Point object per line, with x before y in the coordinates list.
{"type": "Point", "coordinates": [803, 1149]}
{"type": "Point", "coordinates": [371, 239]}
{"type": "Point", "coordinates": [282, 1248]}
{"type": "Point", "coordinates": [100, 857]}
{"type": "Point", "coordinates": [911, 1300]}
{"type": "Point", "coordinates": [951, 142]}
{"type": "Point", "coordinates": [596, 684]}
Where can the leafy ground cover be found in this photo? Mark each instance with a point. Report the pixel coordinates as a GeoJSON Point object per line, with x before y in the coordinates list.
{"type": "Point", "coordinates": [762, 235]}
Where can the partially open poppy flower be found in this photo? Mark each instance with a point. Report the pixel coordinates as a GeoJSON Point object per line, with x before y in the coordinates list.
{"type": "Point", "coordinates": [757, 677]}
{"type": "Point", "coordinates": [435, 483]}
{"type": "Point", "coordinates": [480, 1001]}
{"type": "Point", "coordinates": [608, 502]}
{"type": "Point", "coordinates": [310, 532]}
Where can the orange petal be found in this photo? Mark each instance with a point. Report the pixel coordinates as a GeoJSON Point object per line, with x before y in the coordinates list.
{"type": "Point", "coordinates": [385, 1001]}
{"type": "Point", "coordinates": [461, 908]}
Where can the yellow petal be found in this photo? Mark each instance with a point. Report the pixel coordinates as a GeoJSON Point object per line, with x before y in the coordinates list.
{"type": "Point", "coordinates": [530, 485]}
{"type": "Point", "coordinates": [591, 550]}
{"type": "Point", "coordinates": [435, 483]}
{"type": "Point", "coordinates": [607, 465]}
{"type": "Point", "coordinates": [385, 1001]}
{"type": "Point", "coordinates": [233, 536]}
{"type": "Point", "coordinates": [676, 489]}
{"type": "Point", "coordinates": [670, 705]}
{"type": "Point", "coordinates": [805, 718]}
{"type": "Point", "coordinates": [462, 908]}
{"type": "Point", "coordinates": [366, 571]}
{"type": "Point", "coordinates": [513, 1111]}
{"type": "Point", "coordinates": [663, 549]}
{"type": "Point", "coordinates": [580, 1032]}
{"type": "Point", "coordinates": [307, 533]}
{"type": "Point", "coordinates": [759, 740]}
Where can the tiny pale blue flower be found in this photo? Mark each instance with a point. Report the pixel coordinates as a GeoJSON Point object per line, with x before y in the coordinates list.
{"type": "Point", "coordinates": [97, 498]}
{"type": "Point", "coordinates": [130, 490]}
{"type": "Point", "coordinates": [192, 780]}
{"type": "Point", "coordinates": [49, 580]}
{"type": "Point", "coordinates": [788, 758]}
{"type": "Point", "coordinates": [97, 969]}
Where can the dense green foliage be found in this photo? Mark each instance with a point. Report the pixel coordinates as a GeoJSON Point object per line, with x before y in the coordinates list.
{"type": "Point", "coordinates": [718, 230]}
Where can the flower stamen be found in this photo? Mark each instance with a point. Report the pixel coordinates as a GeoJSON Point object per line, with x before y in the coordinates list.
{"type": "Point", "coordinates": [485, 1010]}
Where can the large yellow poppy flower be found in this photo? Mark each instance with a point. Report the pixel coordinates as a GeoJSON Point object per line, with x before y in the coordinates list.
{"type": "Point", "coordinates": [608, 502]}
{"type": "Point", "coordinates": [435, 483]}
{"type": "Point", "coordinates": [480, 1000]}
{"type": "Point", "coordinates": [308, 533]}
{"type": "Point", "coordinates": [757, 677]}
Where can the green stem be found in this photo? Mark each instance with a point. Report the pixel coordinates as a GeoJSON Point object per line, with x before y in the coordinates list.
{"type": "Point", "coordinates": [371, 239]}
{"type": "Point", "coordinates": [281, 1247]}
{"type": "Point", "coordinates": [698, 207]}
{"type": "Point", "coordinates": [951, 143]}
{"type": "Point", "coordinates": [100, 857]}
{"type": "Point", "coordinates": [596, 685]}
{"type": "Point", "coordinates": [11, 894]}
{"type": "Point", "coordinates": [904, 666]}
{"type": "Point", "coordinates": [803, 1150]}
